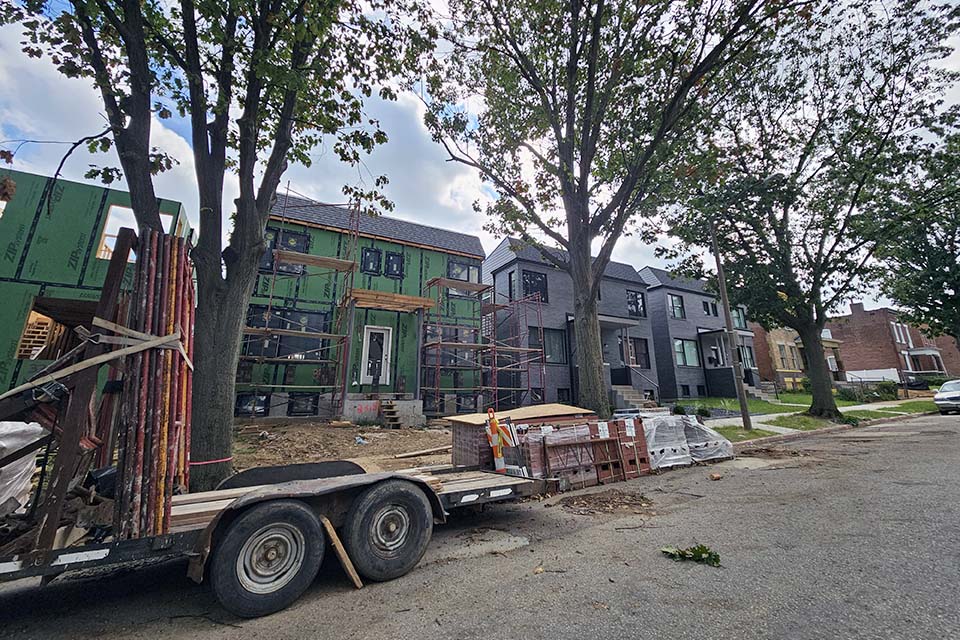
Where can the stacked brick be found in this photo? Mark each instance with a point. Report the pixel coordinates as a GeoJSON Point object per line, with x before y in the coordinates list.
{"type": "Point", "coordinates": [580, 455]}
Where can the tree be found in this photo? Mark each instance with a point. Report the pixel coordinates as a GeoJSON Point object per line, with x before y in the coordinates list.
{"type": "Point", "coordinates": [261, 82]}
{"type": "Point", "coordinates": [811, 153]}
{"type": "Point", "coordinates": [922, 260]}
{"type": "Point", "coordinates": [586, 109]}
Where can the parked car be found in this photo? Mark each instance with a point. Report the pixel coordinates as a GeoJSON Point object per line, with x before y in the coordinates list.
{"type": "Point", "coordinates": [948, 398]}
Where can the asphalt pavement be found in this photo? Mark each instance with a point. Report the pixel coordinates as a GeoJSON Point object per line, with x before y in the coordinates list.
{"type": "Point", "coordinates": [848, 535]}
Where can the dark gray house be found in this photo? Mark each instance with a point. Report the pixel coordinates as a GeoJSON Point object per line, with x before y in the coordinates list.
{"type": "Point", "coordinates": [516, 269]}
{"type": "Point", "coordinates": [692, 353]}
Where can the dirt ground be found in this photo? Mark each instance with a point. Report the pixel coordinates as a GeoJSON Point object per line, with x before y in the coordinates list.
{"type": "Point", "coordinates": [262, 444]}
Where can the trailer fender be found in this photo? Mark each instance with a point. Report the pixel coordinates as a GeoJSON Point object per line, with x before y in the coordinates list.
{"type": "Point", "coordinates": [298, 490]}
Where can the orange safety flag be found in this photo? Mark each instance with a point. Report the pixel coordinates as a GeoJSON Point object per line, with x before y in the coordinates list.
{"type": "Point", "coordinates": [498, 437]}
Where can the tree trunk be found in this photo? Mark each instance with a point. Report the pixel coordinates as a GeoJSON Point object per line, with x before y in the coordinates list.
{"type": "Point", "coordinates": [221, 316]}
{"type": "Point", "coordinates": [821, 384]}
{"type": "Point", "coordinates": [592, 388]}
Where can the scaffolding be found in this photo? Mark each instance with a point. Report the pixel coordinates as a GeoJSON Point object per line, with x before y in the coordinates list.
{"type": "Point", "coordinates": [484, 360]}
{"type": "Point", "coordinates": [513, 333]}
{"type": "Point", "coordinates": [322, 347]}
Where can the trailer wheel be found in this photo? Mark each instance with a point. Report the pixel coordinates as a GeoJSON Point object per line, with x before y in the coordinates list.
{"type": "Point", "coordinates": [387, 529]}
{"type": "Point", "coordinates": [267, 558]}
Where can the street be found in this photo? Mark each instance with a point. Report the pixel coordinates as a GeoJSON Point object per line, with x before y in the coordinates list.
{"type": "Point", "coordinates": [845, 535]}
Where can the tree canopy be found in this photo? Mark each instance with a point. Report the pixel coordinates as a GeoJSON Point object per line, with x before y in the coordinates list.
{"type": "Point", "coordinates": [815, 150]}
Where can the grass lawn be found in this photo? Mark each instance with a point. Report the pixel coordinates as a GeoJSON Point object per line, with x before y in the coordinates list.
{"type": "Point", "coordinates": [806, 399]}
{"type": "Point", "coordinates": [731, 404]}
{"type": "Point", "coordinates": [867, 414]}
{"type": "Point", "coordinates": [801, 422]}
{"type": "Point", "coordinates": [913, 406]}
{"type": "Point", "coordinates": [736, 434]}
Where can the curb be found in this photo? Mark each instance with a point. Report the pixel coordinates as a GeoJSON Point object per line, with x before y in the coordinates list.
{"type": "Point", "coordinates": [790, 437]}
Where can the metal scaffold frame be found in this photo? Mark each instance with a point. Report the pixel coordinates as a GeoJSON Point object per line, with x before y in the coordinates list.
{"type": "Point", "coordinates": [336, 351]}
{"type": "Point", "coordinates": [506, 329]}
{"type": "Point", "coordinates": [495, 342]}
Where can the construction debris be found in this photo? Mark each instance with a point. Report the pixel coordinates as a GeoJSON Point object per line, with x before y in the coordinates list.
{"type": "Point", "coordinates": [606, 502]}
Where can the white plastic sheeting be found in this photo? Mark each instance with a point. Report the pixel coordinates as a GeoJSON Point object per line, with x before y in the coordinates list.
{"type": "Point", "coordinates": [674, 441]}
{"type": "Point", "coordinates": [705, 443]}
{"type": "Point", "coordinates": [15, 477]}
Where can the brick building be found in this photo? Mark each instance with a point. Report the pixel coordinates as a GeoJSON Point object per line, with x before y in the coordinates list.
{"type": "Point", "coordinates": [950, 354]}
{"type": "Point", "coordinates": [877, 345]}
{"type": "Point", "coordinates": [781, 357]}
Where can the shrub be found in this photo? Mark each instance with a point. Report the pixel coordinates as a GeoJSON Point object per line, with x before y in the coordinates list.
{"type": "Point", "coordinates": [703, 412]}
{"type": "Point", "coordinates": [845, 419]}
{"type": "Point", "coordinates": [850, 394]}
{"type": "Point", "coordinates": [679, 410]}
{"type": "Point", "coordinates": [886, 390]}
{"type": "Point", "coordinates": [805, 385]}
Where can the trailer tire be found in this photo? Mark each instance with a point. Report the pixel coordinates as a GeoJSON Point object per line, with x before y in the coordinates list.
{"type": "Point", "coordinates": [387, 529]}
{"type": "Point", "coordinates": [267, 558]}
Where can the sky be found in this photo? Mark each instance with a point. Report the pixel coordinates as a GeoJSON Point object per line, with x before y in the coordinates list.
{"type": "Point", "coordinates": [39, 103]}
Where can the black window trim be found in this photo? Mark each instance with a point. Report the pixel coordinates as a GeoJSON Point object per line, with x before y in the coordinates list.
{"type": "Point", "coordinates": [363, 260]}
{"type": "Point", "coordinates": [545, 295]}
{"type": "Point", "coordinates": [386, 264]}
{"type": "Point", "coordinates": [641, 306]}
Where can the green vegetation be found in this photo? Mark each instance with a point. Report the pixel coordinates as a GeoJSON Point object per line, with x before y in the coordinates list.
{"type": "Point", "coordinates": [736, 434]}
{"type": "Point", "coordinates": [756, 407]}
{"type": "Point", "coordinates": [805, 399]}
{"type": "Point", "coordinates": [700, 553]}
{"type": "Point", "coordinates": [913, 406]}
{"type": "Point", "coordinates": [801, 422]}
{"type": "Point", "coordinates": [867, 414]}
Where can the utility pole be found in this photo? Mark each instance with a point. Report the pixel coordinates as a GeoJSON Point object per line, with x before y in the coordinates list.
{"type": "Point", "coordinates": [731, 333]}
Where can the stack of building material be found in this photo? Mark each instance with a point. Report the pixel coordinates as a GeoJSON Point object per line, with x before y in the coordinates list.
{"type": "Point", "coordinates": [470, 446]}
{"type": "Point", "coordinates": [154, 435]}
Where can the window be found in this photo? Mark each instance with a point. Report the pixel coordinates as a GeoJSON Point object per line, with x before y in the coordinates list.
{"type": "Point", "coordinates": [701, 390]}
{"type": "Point", "coordinates": [739, 318]}
{"type": "Point", "coordinates": [563, 395]}
{"type": "Point", "coordinates": [303, 404]}
{"type": "Point", "coordinates": [464, 272]}
{"type": "Point", "coordinates": [370, 261]}
{"type": "Point", "coordinates": [686, 352]}
{"type": "Point", "coordinates": [512, 285]}
{"type": "Point", "coordinates": [47, 333]}
{"type": "Point", "coordinates": [287, 240]}
{"type": "Point", "coordinates": [535, 282]}
{"type": "Point", "coordinates": [716, 356]}
{"type": "Point", "coordinates": [795, 354]}
{"type": "Point", "coordinates": [554, 344]}
{"type": "Point", "coordinates": [641, 352]}
{"type": "Point", "coordinates": [308, 347]}
{"type": "Point", "coordinates": [746, 357]}
{"type": "Point", "coordinates": [710, 308]}
{"type": "Point", "coordinates": [636, 304]}
{"type": "Point", "coordinates": [783, 356]}
{"type": "Point", "coordinates": [706, 308]}
{"type": "Point", "coordinates": [394, 267]}
{"type": "Point", "coordinates": [676, 306]}
{"type": "Point", "coordinates": [713, 308]}
{"type": "Point", "coordinates": [685, 390]}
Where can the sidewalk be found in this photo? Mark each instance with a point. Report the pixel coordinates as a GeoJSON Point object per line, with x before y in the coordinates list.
{"type": "Point", "coordinates": [762, 421]}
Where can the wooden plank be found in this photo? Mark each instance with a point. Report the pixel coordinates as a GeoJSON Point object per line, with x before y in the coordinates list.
{"type": "Point", "coordinates": [535, 412]}
{"type": "Point", "coordinates": [85, 365]}
{"type": "Point", "coordinates": [345, 561]}
{"type": "Point", "coordinates": [450, 283]}
{"type": "Point", "coordinates": [367, 299]}
{"type": "Point", "coordinates": [324, 262]}
{"type": "Point", "coordinates": [424, 452]}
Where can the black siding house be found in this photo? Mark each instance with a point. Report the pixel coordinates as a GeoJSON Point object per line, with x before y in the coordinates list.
{"type": "Point", "coordinates": [515, 269]}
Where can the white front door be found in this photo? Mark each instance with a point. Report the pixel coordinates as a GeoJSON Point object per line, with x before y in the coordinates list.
{"type": "Point", "coordinates": [375, 361]}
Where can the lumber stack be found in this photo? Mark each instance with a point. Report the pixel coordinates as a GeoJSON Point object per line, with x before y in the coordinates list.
{"type": "Point", "coordinates": [153, 450]}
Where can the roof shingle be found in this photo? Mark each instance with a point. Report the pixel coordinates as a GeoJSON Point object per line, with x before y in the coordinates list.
{"type": "Point", "coordinates": [302, 210]}
{"type": "Point", "coordinates": [618, 270]}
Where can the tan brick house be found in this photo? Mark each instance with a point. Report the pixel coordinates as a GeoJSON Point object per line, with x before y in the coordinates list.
{"type": "Point", "coordinates": [781, 357]}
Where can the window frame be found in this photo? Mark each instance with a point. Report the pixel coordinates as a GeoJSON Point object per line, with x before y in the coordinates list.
{"type": "Point", "coordinates": [672, 298]}
{"type": "Point", "coordinates": [363, 261]}
{"type": "Point", "coordinates": [386, 264]}
{"type": "Point", "coordinates": [634, 341]}
{"type": "Point", "coordinates": [533, 341]}
{"type": "Point", "coordinates": [682, 342]}
{"type": "Point", "coordinates": [544, 295]}
{"type": "Point", "coordinates": [641, 307]}
{"type": "Point", "coordinates": [739, 318]}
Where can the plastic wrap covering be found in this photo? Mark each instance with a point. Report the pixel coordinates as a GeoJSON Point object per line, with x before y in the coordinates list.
{"type": "Point", "coordinates": [705, 443]}
{"type": "Point", "coordinates": [15, 477]}
{"type": "Point", "coordinates": [667, 441]}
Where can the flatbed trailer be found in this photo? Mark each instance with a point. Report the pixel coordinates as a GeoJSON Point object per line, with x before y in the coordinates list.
{"type": "Point", "coordinates": [261, 546]}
